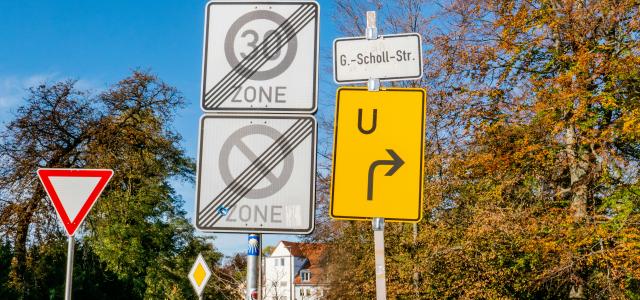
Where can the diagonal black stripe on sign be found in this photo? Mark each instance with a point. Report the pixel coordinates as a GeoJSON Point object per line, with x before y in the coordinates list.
{"type": "Point", "coordinates": [250, 171]}
{"type": "Point", "coordinates": [266, 49]}
{"type": "Point", "coordinates": [248, 182]}
{"type": "Point", "coordinates": [259, 56]}
{"type": "Point", "coordinates": [241, 193]}
{"type": "Point", "coordinates": [250, 59]}
{"type": "Point", "coordinates": [233, 198]}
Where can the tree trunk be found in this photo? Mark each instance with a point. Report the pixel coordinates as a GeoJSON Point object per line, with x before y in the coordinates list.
{"type": "Point", "coordinates": [578, 166]}
{"type": "Point", "coordinates": [19, 261]}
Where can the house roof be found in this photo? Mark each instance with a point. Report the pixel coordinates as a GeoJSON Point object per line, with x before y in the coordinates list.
{"type": "Point", "coordinates": [315, 254]}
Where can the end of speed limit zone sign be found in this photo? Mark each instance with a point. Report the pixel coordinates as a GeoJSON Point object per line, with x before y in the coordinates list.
{"type": "Point", "coordinates": [260, 57]}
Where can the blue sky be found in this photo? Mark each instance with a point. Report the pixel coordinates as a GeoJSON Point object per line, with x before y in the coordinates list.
{"type": "Point", "coordinates": [100, 42]}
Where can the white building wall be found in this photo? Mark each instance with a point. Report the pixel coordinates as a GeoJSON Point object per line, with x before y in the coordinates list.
{"type": "Point", "coordinates": [308, 292]}
{"type": "Point", "coordinates": [280, 267]}
{"type": "Point", "coordinates": [278, 281]}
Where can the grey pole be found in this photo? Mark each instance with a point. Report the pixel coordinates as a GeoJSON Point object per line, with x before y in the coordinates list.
{"type": "Point", "coordinates": [373, 85]}
{"type": "Point", "coordinates": [372, 34]}
{"type": "Point", "coordinates": [378, 243]}
{"type": "Point", "coordinates": [260, 270]}
{"type": "Point", "coordinates": [253, 262]}
{"type": "Point", "coordinates": [70, 251]}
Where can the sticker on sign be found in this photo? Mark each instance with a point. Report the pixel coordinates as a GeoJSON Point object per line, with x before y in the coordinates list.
{"type": "Point", "coordinates": [256, 174]}
{"type": "Point", "coordinates": [260, 56]}
{"type": "Point", "coordinates": [390, 57]}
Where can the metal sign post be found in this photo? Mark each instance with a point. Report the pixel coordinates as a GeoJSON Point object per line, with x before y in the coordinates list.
{"type": "Point", "coordinates": [253, 266]}
{"type": "Point", "coordinates": [69, 281]}
{"type": "Point", "coordinates": [377, 223]}
{"type": "Point", "coordinates": [378, 245]}
{"type": "Point", "coordinates": [73, 192]}
{"type": "Point", "coordinates": [256, 170]}
{"type": "Point", "coordinates": [389, 123]}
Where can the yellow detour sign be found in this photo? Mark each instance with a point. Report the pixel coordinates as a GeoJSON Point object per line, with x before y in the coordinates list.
{"type": "Point", "coordinates": [378, 154]}
{"type": "Point", "coordinates": [199, 275]}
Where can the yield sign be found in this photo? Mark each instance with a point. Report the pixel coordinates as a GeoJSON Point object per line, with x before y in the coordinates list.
{"type": "Point", "coordinates": [73, 192]}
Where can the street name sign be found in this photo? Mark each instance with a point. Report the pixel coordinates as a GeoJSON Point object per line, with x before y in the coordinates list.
{"type": "Point", "coordinates": [390, 57]}
{"type": "Point", "coordinates": [73, 192]}
{"type": "Point", "coordinates": [256, 173]}
{"type": "Point", "coordinates": [378, 154]}
{"type": "Point", "coordinates": [199, 275]}
{"type": "Point", "coordinates": [260, 56]}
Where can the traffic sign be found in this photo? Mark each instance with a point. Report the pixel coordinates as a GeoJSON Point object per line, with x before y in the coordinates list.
{"type": "Point", "coordinates": [73, 192]}
{"type": "Point", "coordinates": [256, 173]}
{"type": "Point", "coordinates": [199, 275]}
{"type": "Point", "coordinates": [390, 57]}
{"type": "Point", "coordinates": [260, 56]}
{"type": "Point", "coordinates": [378, 154]}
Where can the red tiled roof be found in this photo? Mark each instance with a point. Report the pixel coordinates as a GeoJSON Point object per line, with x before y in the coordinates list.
{"type": "Point", "coordinates": [315, 255]}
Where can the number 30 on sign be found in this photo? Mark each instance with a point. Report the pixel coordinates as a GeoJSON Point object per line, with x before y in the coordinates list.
{"type": "Point", "coordinates": [260, 56]}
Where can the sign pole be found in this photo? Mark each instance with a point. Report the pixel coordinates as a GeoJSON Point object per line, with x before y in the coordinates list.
{"type": "Point", "coordinates": [377, 223]}
{"type": "Point", "coordinates": [260, 270]}
{"type": "Point", "coordinates": [372, 34]}
{"type": "Point", "coordinates": [70, 252]}
{"type": "Point", "coordinates": [378, 244]}
{"type": "Point", "coordinates": [253, 254]}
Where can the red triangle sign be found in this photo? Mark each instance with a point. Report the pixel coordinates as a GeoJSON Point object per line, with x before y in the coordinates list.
{"type": "Point", "coordinates": [73, 192]}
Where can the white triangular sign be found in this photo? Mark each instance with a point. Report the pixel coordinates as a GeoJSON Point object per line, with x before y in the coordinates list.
{"type": "Point", "coordinates": [73, 192]}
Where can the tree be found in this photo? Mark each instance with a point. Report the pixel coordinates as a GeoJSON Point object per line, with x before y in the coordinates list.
{"type": "Point", "coordinates": [137, 233]}
{"type": "Point", "coordinates": [532, 153]}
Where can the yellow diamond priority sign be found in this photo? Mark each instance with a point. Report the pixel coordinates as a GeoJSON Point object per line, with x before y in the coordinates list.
{"type": "Point", "coordinates": [378, 154]}
{"type": "Point", "coordinates": [199, 275]}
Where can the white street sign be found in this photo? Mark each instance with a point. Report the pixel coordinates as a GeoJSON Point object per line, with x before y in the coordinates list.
{"type": "Point", "coordinates": [390, 57]}
{"type": "Point", "coordinates": [260, 56]}
{"type": "Point", "coordinates": [256, 173]}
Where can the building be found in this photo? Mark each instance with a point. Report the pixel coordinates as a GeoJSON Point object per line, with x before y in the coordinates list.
{"type": "Point", "coordinates": [294, 271]}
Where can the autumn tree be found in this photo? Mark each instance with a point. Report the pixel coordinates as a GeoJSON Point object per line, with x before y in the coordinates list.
{"type": "Point", "coordinates": [137, 235]}
{"type": "Point", "coordinates": [532, 153]}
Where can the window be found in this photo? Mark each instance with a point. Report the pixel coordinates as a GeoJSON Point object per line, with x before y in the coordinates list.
{"type": "Point", "coordinates": [279, 261]}
{"type": "Point", "coordinates": [283, 283]}
{"type": "Point", "coordinates": [305, 275]}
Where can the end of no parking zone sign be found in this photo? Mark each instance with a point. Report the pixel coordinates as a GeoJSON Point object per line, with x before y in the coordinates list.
{"type": "Point", "coordinates": [256, 174]}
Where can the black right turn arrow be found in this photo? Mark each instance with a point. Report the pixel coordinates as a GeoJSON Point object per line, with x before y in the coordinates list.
{"type": "Point", "coordinates": [396, 163]}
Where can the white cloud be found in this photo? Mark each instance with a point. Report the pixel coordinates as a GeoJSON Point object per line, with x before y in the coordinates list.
{"type": "Point", "coordinates": [13, 89]}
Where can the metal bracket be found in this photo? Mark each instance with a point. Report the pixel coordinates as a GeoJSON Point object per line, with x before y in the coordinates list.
{"type": "Point", "coordinates": [372, 34]}
{"type": "Point", "coordinates": [378, 224]}
{"type": "Point", "coordinates": [372, 29]}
